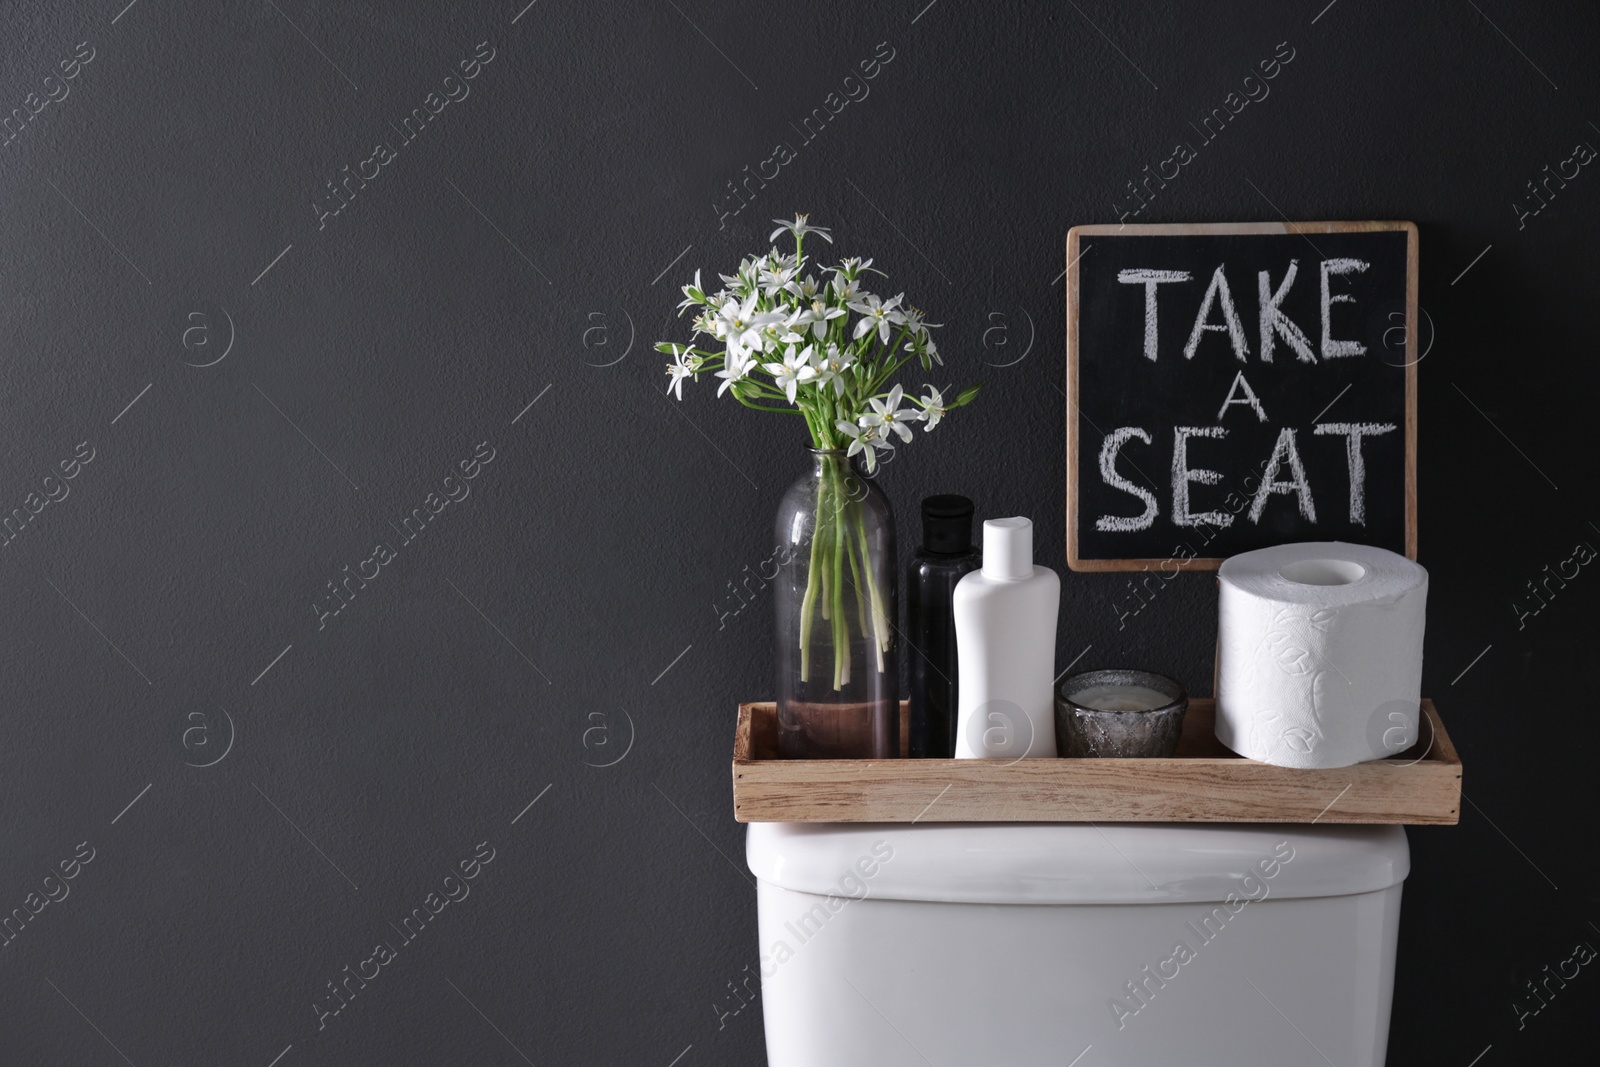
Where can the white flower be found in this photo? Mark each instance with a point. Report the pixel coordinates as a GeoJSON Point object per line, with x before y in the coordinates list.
{"type": "Point", "coordinates": [794, 371]}
{"type": "Point", "coordinates": [799, 227]}
{"type": "Point", "coordinates": [780, 332]}
{"type": "Point", "coordinates": [830, 367]}
{"type": "Point", "coordinates": [817, 314]}
{"type": "Point", "coordinates": [775, 278]}
{"type": "Point", "coordinates": [887, 415]}
{"type": "Point", "coordinates": [741, 324]}
{"type": "Point", "coordinates": [932, 407]}
{"type": "Point", "coordinates": [807, 289]}
{"type": "Point", "coordinates": [708, 321]}
{"type": "Point", "coordinates": [845, 289]}
{"type": "Point", "coordinates": [735, 366]}
{"type": "Point", "coordinates": [866, 439]}
{"type": "Point", "coordinates": [692, 294]}
{"type": "Point", "coordinates": [916, 321]}
{"type": "Point", "coordinates": [681, 367]}
{"type": "Point", "coordinates": [877, 315]}
{"type": "Point", "coordinates": [744, 282]}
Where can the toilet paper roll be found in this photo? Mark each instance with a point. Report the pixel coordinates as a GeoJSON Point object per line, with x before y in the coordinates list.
{"type": "Point", "coordinates": [1319, 653]}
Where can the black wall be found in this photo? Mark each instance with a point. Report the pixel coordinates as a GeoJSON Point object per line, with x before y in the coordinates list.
{"type": "Point", "coordinates": [518, 251]}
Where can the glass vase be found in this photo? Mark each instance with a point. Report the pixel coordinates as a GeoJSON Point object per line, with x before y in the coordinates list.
{"type": "Point", "coordinates": [838, 678]}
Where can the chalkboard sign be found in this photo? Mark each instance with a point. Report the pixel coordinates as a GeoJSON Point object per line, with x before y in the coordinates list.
{"type": "Point", "coordinates": [1233, 386]}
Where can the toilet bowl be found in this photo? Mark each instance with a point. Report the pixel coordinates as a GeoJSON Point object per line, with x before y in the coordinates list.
{"type": "Point", "coordinates": [1072, 944]}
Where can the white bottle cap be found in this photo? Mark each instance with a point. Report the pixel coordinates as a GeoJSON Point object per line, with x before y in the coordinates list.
{"type": "Point", "coordinates": [1007, 548]}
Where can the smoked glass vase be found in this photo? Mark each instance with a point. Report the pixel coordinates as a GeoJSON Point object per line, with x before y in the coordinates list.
{"type": "Point", "coordinates": [838, 678]}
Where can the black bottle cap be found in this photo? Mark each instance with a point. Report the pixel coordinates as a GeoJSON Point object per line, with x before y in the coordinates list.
{"type": "Point", "coordinates": [947, 524]}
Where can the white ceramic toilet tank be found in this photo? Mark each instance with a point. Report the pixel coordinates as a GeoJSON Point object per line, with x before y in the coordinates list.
{"type": "Point", "coordinates": [1070, 944]}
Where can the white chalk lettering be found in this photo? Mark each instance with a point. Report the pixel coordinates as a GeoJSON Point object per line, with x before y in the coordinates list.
{"type": "Point", "coordinates": [1218, 292]}
{"type": "Point", "coordinates": [1275, 322]}
{"type": "Point", "coordinates": [1182, 475]}
{"type": "Point", "coordinates": [1249, 399]}
{"type": "Point", "coordinates": [1332, 349]}
{"type": "Point", "coordinates": [1150, 279]}
{"type": "Point", "coordinates": [1285, 451]}
{"type": "Point", "coordinates": [1108, 471]}
{"type": "Point", "coordinates": [1353, 433]}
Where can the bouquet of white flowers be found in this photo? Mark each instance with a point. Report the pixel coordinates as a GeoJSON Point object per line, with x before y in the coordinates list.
{"type": "Point", "coordinates": [776, 318]}
{"type": "Point", "coordinates": [830, 350]}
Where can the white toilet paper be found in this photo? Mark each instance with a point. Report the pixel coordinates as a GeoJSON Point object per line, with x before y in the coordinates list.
{"type": "Point", "coordinates": [1319, 653]}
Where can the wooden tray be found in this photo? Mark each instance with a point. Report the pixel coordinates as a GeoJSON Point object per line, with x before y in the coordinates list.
{"type": "Point", "coordinates": [1202, 782]}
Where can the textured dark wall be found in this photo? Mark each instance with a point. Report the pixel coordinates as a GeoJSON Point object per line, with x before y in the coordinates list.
{"type": "Point", "coordinates": [163, 212]}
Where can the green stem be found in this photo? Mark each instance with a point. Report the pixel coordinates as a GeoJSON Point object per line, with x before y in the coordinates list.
{"type": "Point", "coordinates": [808, 603]}
{"type": "Point", "coordinates": [815, 425]}
{"type": "Point", "coordinates": [839, 540]}
{"type": "Point", "coordinates": [824, 533]}
{"type": "Point", "coordinates": [880, 617]}
{"type": "Point", "coordinates": [847, 511]}
{"type": "Point", "coordinates": [841, 621]}
{"type": "Point", "coordinates": [891, 365]}
{"type": "Point", "coordinates": [763, 407]}
{"type": "Point", "coordinates": [851, 552]}
{"type": "Point", "coordinates": [867, 591]}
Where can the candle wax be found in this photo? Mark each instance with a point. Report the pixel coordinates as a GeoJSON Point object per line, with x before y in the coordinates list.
{"type": "Point", "coordinates": [1121, 698]}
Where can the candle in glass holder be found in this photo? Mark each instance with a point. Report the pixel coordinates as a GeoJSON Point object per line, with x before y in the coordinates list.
{"type": "Point", "coordinates": [1108, 697]}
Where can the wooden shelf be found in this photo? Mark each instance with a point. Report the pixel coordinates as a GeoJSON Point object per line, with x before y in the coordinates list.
{"type": "Point", "coordinates": [1202, 782]}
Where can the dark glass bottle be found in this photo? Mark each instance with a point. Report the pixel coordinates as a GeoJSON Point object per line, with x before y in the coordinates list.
{"type": "Point", "coordinates": [946, 554]}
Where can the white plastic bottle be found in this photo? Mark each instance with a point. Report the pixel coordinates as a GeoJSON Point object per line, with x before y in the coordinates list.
{"type": "Point", "coordinates": [1005, 649]}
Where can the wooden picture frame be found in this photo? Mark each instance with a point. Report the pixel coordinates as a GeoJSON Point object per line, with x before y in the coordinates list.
{"type": "Point", "coordinates": [1076, 244]}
